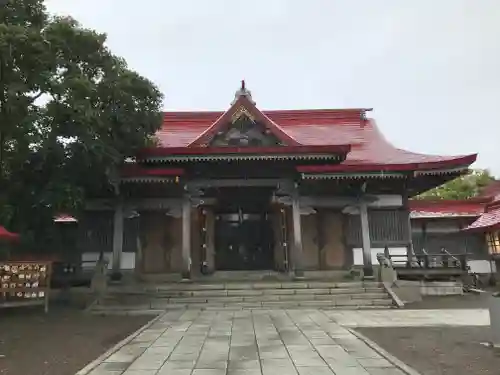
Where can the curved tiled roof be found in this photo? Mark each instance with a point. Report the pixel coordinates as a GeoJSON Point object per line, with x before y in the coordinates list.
{"type": "Point", "coordinates": [316, 127]}
{"type": "Point", "coordinates": [441, 208]}
{"type": "Point", "coordinates": [489, 220]}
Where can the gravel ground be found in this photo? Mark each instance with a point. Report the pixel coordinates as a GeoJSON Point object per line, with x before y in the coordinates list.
{"type": "Point", "coordinates": [60, 342]}
{"type": "Point", "coordinates": [439, 350]}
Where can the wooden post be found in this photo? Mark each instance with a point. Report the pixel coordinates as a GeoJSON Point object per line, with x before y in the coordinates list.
{"type": "Point", "coordinates": [210, 227]}
{"type": "Point", "coordinates": [365, 235]}
{"type": "Point", "coordinates": [186, 238]}
{"type": "Point", "coordinates": [409, 248]}
{"type": "Point", "coordinates": [297, 236]}
{"type": "Point", "coordinates": [117, 239]}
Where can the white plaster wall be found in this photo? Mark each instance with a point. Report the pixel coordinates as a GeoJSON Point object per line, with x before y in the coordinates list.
{"type": "Point", "coordinates": [482, 266]}
{"type": "Point", "coordinates": [358, 254]}
{"type": "Point", "coordinates": [127, 260]}
{"type": "Point", "coordinates": [386, 201]}
{"type": "Point", "coordinates": [442, 226]}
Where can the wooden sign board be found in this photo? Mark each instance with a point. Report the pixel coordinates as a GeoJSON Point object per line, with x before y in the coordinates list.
{"type": "Point", "coordinates": [25, 284]}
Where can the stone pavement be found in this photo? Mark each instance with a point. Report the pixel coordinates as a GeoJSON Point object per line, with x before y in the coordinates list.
{"type": "Point", "coordinates": [410, 318]}
{"type": "Point", "coordinates": [247, 342]}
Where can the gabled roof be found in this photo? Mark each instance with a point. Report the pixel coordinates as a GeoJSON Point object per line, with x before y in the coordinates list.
{"type": "Point", "coordinates": [369, 148]}
{"type": "Point", "coordinates": [243, 102]}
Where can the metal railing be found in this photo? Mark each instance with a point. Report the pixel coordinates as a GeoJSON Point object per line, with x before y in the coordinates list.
{"type": "Point", "coordinates": [444, 260]}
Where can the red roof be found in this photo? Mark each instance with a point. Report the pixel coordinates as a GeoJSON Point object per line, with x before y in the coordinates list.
{"type": "Point", "coordinates": [487, 221]}
{"type": "Point", "coordinates": [446, 208]}
{"type": "Point", "coordinates": [315, 127]}
{"type": "Point", "coordinates": [243, 100]}
{"type": "Point", "coordinates": [490, 219]}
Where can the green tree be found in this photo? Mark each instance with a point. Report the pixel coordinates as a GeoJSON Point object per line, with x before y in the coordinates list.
{"type": "Point", "coordinates": [463, 187]}
{"type": "Point", "coordinates": [70, 113]}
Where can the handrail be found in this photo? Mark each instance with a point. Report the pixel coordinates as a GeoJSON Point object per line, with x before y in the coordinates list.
{"type": "Point", "coordinates": [434, 261]}
{"type": "Point", "coordinates": [443, 250]}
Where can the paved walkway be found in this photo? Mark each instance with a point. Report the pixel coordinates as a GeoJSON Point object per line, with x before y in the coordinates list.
{"type": "Point", "coordinates": [410, 318]}
{"type": "Point", "coordinates": [259, 342]}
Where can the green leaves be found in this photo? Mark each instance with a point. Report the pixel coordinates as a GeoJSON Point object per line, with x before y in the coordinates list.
{"type": "Point", "coordinates": [464, 187]}
{"type": "Point", "coordinates": [70, 113]}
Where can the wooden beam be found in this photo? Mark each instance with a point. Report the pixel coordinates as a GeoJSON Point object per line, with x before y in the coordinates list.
{"type": "Point", "coordinates": [375, 201]}
{"type": "Point", "coordinates": [237, 182]}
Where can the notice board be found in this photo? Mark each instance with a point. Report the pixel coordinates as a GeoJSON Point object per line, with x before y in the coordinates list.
{"type": "Point", "coordinates": [25, 284]}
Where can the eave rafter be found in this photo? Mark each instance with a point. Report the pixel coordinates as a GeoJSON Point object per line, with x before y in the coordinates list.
{"type": "Point", "coordinates": [326, 153]}
{"type": "Point", "coordinates": [146, 179]}
{"type": "Point", "coordinates": [309, 173]}
{"type": "Point", "coordinates": [351, 176]}
{"type": "Point", "coordinates": [437, 172]}
{"type": "Point", "coordinates": [135, 173]}
{"type": "Point", "coordinates": [236, 157]}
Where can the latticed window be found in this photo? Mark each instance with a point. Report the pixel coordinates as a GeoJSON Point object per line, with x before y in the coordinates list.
{"type": "Point", "coordinates": [493, 241]}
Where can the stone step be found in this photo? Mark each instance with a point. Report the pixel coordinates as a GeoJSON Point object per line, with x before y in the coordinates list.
{"type": "Point", "coordinates": [312, 304]}
{"type": "Point", "coordinates": [196, 286]}
{"type": "Point", "coordinates": [245, 292]}
{"type": "Point", "coordinates": [243, 298]}
{"type": "Point", "coordinates": [246, 295]}
{"type": "Point", "coordinates": [232, 300]}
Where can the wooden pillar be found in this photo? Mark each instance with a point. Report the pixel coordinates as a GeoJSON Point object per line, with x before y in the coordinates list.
{"type": "Point", "coordinates": [210, 238]}
{"type": "Point", "coordinates": [365, 236]}
{"type": "Point", "coordinates": [186, 238]}
{"type": "Point", "coordinates": [117, 239]}
{"type": "Point", "coordinates": [297, 237]}
{"type": "Point", "coordinates": [320, 218]}
{"type": "Point", "coordinates": [409, 248]}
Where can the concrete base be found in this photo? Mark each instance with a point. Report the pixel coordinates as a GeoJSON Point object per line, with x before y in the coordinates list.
{"type": "Point", "coordinates": [441, 288]}
{"type": "Point", "coordinates": [494, 309]}
{"type": "Point", "coordinates": [413, 291]}
{"type": "Point", "coordinates": [407, 291]}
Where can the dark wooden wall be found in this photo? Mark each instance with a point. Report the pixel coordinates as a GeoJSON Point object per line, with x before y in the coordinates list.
{"type": "Point", "coordinates": [95, 232]}
{"type": "Point", "coordinates": [387, 227]}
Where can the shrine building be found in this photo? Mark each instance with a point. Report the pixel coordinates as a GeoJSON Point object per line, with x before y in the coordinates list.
{"type": "Point", "coordinates": [250, 189]}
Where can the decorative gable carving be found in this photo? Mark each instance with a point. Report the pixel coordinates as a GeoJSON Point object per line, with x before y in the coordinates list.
{"type": "Point", "coordinates": [243, 125]}
{"type": "Point", "coordinates": [242, 111]}
{"type": "Point", "coordinates": [244, 131]}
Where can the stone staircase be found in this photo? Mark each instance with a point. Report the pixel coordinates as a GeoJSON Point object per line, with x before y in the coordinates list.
{"type": "Point", "coordinates": [243, 295]}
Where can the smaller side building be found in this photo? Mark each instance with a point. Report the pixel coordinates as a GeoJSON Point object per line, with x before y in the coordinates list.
{"type": "Point", "coordinates": [487, 225]}
{"type": "Point", "coordinates": [442, 224]}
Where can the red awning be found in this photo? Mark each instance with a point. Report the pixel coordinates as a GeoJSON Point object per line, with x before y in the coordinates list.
{"type": "Point", "coordinates": [6, 235]}
{"type": "Point", "coordinates": [488, 220]}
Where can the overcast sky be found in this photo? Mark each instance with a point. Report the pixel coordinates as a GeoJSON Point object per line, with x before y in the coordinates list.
{"type": "Point", "coordinates": [429, 68]}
